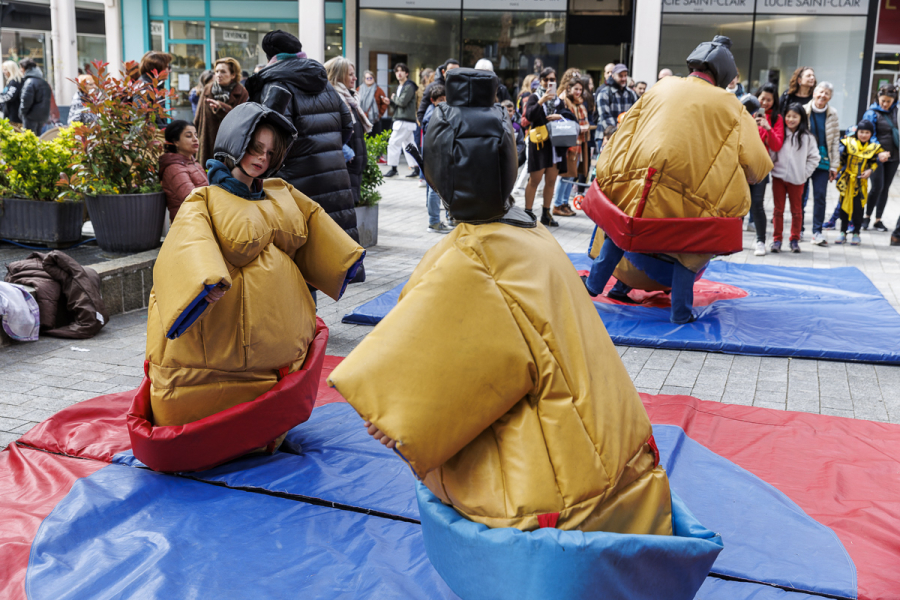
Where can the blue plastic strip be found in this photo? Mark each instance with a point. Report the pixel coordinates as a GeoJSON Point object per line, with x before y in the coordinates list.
{"type": "Point", "coordinates": [498, 564]}
{"type": "Point", "coordinates": [351, 274]}
{"type": "Point", "coordinates": [767, 537]}
{"type": "Point", "coordinates": [131, 533]}
{"type": "Point", "coordinates": [191, 313]}
{"type": "Point", "coordinates": [797, 312]}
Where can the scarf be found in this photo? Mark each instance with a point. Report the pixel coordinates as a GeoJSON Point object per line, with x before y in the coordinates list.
{"type": "Point", "coordinates": [812, 105]}
{"type": "Point", "coordinates": [219, 174]}
{"type": "Point", "coordinates": [222, 92]}
{"type": "Point", "coordinates": [350, 100]}
{"type": "Point", "coordinates": [367, 101]}
{"type": "Point", "coordinates": [284, 56]}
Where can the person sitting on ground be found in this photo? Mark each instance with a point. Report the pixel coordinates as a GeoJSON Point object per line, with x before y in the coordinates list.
{"type": "Point", "coordinates": [239, 257]}
{"type": "Point", "coordinates": [542, 422]}
{"type": "Point", "coordinates": [859, 158]}
{"type": "Point", "coordinates": [651, 170]}
{"type": "Point", "coordinates": [179, 172]}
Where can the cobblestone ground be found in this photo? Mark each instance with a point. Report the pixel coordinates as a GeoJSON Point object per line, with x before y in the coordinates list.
{"type": "Point", "coordinates": [37, 379]}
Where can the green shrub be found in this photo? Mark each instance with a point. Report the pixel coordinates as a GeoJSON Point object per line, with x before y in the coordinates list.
{"type": "Point", "coordinates": [31, 168]}
{"type": "Point", "coordinates": [376, 145]}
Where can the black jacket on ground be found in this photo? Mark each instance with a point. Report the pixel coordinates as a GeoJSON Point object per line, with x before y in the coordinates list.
{"type": "Point", "coordinates": [298, 88]}
{"type": "Point", "coordinates": [34, 106]}
{"type": "Point", "coordinates": [10, 100]}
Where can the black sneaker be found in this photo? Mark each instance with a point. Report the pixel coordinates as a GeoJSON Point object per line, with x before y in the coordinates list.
{"type": "Point", "coordinates": [795, 246]}
{"type": "Point", "coordinates": [775, 248]}
{"type": "Point", "coordinates": [414, 173]}
{"type": "Point", "coordinates": [865, 224]}
{"type": "Point", "coordinates": [879, 226]}
{"type": "Point", "coordinates": [392, 172]}
{"type": "Point", "coordinates": [620, 297]}
{"type": "Point", "coordinates": [547, 219]}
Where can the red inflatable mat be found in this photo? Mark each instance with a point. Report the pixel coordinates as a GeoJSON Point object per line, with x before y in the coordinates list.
{"type": "Point", "coordinates": [844, 473]}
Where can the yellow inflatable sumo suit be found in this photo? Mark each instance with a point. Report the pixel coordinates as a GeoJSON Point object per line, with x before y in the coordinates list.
{"type": "Point", "coordinates": [509, 401]}
{"type": "Point", "coordinates": [206, 358]}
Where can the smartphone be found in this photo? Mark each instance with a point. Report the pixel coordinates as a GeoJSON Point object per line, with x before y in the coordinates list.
{"type": "Point", "coordinates": [761, 113]}
{"type": "Point", "coordinates": [552, 87]}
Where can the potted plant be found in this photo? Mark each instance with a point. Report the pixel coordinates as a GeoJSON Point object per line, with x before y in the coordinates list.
{"type": "Point", "coordinates": [367, 210]}
{"type": "Point", "coordinates": [32, 208]}
{"type": "Point", "coordinates": [116, 167]}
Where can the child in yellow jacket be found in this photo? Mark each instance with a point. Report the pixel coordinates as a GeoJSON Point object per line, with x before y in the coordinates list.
{"type": "Point", "coordinates": [859, 158]}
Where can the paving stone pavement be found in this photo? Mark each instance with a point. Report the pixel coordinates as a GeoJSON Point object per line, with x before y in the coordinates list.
{"type": "Point", "coordinates": [40, 378]}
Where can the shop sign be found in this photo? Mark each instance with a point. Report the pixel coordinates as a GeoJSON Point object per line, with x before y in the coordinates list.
{"type": "Point", "coordinates": [889, 22]}
{"type": "Point", "coordinates": [708, 6]}
{"type": "Point", "coordinates": [241, 37]}
{"type": "Point", "coordinates": [533, 5]}
{"type": "Point", "coordinates": [812, 7]}
{"type": "Point", "coordinates": [156, 29]}
{"type": "Point", "coordinates": [432, 4]}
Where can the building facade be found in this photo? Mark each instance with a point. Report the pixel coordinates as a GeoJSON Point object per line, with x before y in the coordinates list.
{"type": "Point", "coordinates": [854, 44]}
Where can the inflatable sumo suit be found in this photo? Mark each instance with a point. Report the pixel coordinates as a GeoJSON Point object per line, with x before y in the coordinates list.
{"type": "Point", "coordinates": [672, 183]}
{"type": "Point", "coordinates": [510, 403]}
{"type": "Point", "coordinates": [204, 360]}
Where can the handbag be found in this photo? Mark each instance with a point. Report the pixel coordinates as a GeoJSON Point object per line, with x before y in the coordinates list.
{"type": "Point", "coordinates": [538, 135]}
{"type": "Point", "coordinates": [564, 133]}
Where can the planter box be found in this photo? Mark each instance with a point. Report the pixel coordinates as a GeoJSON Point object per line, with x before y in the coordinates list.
{"type": "Point", "coordinates": [54, 224]}
{"type": "Point", "coordinates": [367, 225]}
{"type": "Point", "coordinates": [127, 222]}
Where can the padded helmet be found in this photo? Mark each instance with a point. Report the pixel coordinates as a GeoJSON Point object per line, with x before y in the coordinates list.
{"type": "Point", "coordinates": [470, 150]}
{"type": "Point", "coordinates": [751, 103]}
{"type": "Point", "coordinates": [715, 57]}
{"type": "Point", "coordinates": [237, 129]}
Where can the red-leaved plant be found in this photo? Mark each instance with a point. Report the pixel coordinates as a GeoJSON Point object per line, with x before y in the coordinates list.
{"type": "Point", "coordinates": [119, 147]}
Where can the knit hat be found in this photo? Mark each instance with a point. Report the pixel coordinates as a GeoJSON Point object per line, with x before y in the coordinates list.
{"type": "Point", "coordinates": [865, 125]}
{"type": "Point", "coordinates": [280, 42]}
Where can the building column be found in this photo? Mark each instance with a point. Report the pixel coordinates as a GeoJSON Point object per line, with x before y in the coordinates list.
{"type": "Point", "coordinates": [647, 21]}
{"type": "Point", "coordinates": [350, 26]}
{"type": "Point", "coordinates": [65, 50]}
{"type": "Point", "coordinates": [312, 28]}
{"type": "Point", "coordinates": [113, 21]}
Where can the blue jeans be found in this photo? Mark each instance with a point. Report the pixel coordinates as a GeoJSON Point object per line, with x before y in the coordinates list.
{"type": "Point", "coordinates": [563, 191]}
{"type": "Point", "coordinates": [819, 182]}
{"type": "Point", "coordinates": [433, 204]}
{"type": "Point", "coordinates": [682, 296]}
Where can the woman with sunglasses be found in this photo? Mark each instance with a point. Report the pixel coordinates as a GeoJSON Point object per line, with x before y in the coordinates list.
{"type": "Point", "coordinates": [370, 96]}
{"type": "Point", "coordinates": [543, 160]}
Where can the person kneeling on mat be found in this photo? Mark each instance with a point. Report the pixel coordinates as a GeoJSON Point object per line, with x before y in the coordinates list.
{"type": "Point", "coordinates": [653, 170]}
{"type": "Point", "coordinates": [539, 423]}
{"type": "Point", "coordinates": [230, 314]}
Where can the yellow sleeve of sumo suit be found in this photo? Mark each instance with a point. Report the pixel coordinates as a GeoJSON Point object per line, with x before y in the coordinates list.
{"type": "Point", "coordinates": [329, 253]}
{"type": "Point", "coordinates": [445, 363]}
{"type": "Point", "coordinates": [189, 261]}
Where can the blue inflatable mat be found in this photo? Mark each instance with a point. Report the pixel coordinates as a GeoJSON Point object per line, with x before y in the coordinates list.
{"type": "Point", "coordinates": [768, 538]}
{"type": "Point", "coordinates": [832, 314]}
{"type": "Point", "coordinates": [133, 533]}
{"type": "Point", "coordinates": [330, 458]}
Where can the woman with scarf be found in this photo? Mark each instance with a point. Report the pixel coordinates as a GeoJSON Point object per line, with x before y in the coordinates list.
{"type": "Point", "coordinates": [218, 98]}
{"type": "Point", "coordinates": [342, 76]}
{"type": "Point", "coordinates": [370, 96]}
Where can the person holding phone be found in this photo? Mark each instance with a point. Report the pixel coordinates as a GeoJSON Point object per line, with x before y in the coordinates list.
{"type": "Point", "coordinates": [771, 131]}
{"type": "Point", "coordinates": [543, 160]}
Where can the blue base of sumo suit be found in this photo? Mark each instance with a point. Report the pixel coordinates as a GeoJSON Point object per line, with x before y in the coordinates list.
{"type": "Point", "coordinates": [830, 314]}
{"type": "Point", "coordinates": [123, 525]}
{"type": "Point", "coordinates": [496, 564]}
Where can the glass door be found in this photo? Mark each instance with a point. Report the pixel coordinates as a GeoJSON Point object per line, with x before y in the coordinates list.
{"type": "Point", "coordinates": [188, 47]}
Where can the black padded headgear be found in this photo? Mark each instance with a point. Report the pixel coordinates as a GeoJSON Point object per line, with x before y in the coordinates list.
{"type": "Point", "coordinates": [470, 151]}
{"type": "Point", "coordinates": [865, 125]}
{"type": "Point", "coordinates": [715, 57]}
{"type": "Point", "coordinates": [751, 103]}
{"type": "Point", "coordinates": [237, 129]}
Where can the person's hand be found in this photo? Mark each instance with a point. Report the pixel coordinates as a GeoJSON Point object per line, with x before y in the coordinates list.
{"type": "Point", "coordinates": [884, 156]}
{"type": "Point", "coordinates": [385, 100]}
{"type": "Point", "coordinates": [554, 117]}
{"type": "Point", "coordinates": [764, 123]}
{"type": "Point", "coordinates": [549, 95]}
{"type": "Point", "coordinates": [866, 174]}
{"type": "Point", "coordinates": [379, 435]}
{"type": "Point", "coordinates": [215, 294]}
{"type": "Point", "coordinates": [832, 175]}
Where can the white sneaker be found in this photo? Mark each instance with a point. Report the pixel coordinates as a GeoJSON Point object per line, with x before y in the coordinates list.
{"type": "Point", "coordinates": [760, 249]}
{"type": "Point", "coordinates": [819, 239]}
{"type": "Point", "coordinates": [802, 236]}
{"type": "Point", "coordinates": [422, 183]}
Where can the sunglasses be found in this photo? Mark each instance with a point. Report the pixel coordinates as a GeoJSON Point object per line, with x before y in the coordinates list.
{"type": "Point", "coordinates": [550, 79]}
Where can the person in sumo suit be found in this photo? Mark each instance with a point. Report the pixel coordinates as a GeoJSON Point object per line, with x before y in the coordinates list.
{"type": "Point", "coordinates": [688, 149]}
{"type": "Point", "coordinates": [230, 312]}
{"type": "Point", "coordinates": [539, 422]}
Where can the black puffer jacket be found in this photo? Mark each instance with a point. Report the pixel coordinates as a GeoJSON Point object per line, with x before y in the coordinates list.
{"type": "Point", "coordinates": [34, 106]}
{"type": "Point", "coordinates": [299, 89]}
{"type": "Point", "coordinates": [10, 100]}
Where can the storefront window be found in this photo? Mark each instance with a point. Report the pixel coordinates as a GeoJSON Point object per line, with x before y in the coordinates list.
{"type": "Point", "coordinates": [90, 49]}
{"type": "Point", "coordinates": [334, 40]}
{"type": "Point", "coordinates": [186, 30]}
{"type": "Point", "coordinates": [188, 62]}
{"type": "Point", "coordinates": [680, 34]}
{"type": "Point", "coordinates": [242, 41]}
{"type": "Point", "coordinates": [421, 38]}
{"type": "Point", "coordinates": [886, 72]}
{"type": "Point", "coordinates": [516, 43]}
{"type": "Point", "coordinates": [17, 45]}
{"type": "Point", "coordinates": [156, 36]}
{"type": "Point", "coordinates": [832, 46]}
